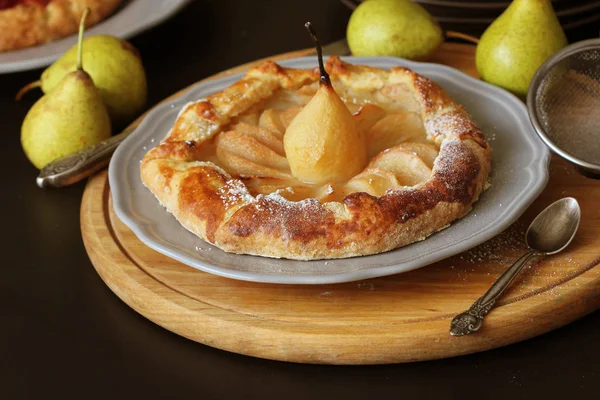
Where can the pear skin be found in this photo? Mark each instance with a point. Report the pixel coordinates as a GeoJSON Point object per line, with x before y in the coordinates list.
{"type": "Point", "coordinates": [68, 119]}
{"type": "Point", "coordinates": [515, 45]}
{"type": "Point", "coordinates": [117, 71]}
{"type": "Point", "coordinates": [400, 28]}
{"type": "Point", "coordinates": [323, 143]}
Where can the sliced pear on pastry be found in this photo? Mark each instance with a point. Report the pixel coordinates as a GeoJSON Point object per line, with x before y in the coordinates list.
{"type": "Point", "coordinates": [249, 148]}
{"type": "Point", "coordinates": [406, 166]}
{"type": "Point", "coordinates": [271, 120]}
{"type": "Point", "coordinates": [243, 167]}
{"type": "Point", "coordinates": [394, 129]}
{"type": "Point", "coordinates": [288, 115]}
{"type": "Point", "coordinates": [367, 116]}
{"type": "Point", "coordinates": [375, 181]}
{"type": "Point", "coordinates": [425, 151]}
{"type": "Point", "coordinates": [264, 136]}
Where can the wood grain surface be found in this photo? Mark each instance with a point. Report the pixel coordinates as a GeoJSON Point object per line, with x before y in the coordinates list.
{"type": "Point", "coordinates": [399, 318]}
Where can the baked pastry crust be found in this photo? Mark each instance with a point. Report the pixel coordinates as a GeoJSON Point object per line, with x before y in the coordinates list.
{"type": "Point", "coordinates": [218, 207]}
{"type": "Point", "coordinates": [30, 24]}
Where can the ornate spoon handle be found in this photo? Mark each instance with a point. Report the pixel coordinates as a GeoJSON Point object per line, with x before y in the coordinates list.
{"type": "Point", "coordinates": [472, 319]}
{"type": "Point", "coordinates": [72, 168]}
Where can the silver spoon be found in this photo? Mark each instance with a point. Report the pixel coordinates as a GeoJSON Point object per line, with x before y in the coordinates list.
{"type": "Point", "coordinates": [549, 233]}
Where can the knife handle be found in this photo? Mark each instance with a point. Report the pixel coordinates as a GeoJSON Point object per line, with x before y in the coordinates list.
{"type": "Point", "coordinates": [74, 167]}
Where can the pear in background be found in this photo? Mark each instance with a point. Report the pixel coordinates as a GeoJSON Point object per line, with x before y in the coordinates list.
{"type": "Point", "coordinates": [68, 119]}
{"type": "Point", "coordinates": [323, 143]}
{"type": "Point", "coordinates": [515, 45]}
{"type": "Point", "coordinates": [117, 71]}
{"type": "Point", "coordinates": [400, 28]}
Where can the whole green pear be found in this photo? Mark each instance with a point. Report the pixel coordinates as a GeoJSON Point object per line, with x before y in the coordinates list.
{"type": "Point", "coordinates": [515, 45]}
{"type": "Point", "coordinates": [68, 119]}
{"type": "Point", "coordinates": [400, 28]}
{"type": "Point", "coordinates": [117, 71]}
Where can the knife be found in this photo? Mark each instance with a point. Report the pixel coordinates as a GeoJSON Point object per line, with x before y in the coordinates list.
{"type": "Point", "coordinates": [68, 170]}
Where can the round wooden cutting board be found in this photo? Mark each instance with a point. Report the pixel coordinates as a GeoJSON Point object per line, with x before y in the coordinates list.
{"type": "Point", "coordinates": [399, 318]}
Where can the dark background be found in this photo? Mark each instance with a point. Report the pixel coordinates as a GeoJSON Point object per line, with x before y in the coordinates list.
{"type": "Point", "coordinates": [64, 333]}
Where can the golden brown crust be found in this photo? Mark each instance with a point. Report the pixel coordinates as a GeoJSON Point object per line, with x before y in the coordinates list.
{"type": "Point", "coordinates": [217, 207]}
{"type": "Point", "coordinates": [28, 25]}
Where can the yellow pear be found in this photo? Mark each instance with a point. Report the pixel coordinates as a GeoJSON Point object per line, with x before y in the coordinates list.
{"type": "Point", "coordinates": [323, 143]}
{"type": "Point", "coordinates": [515, 45]}
{"type": "Point", "coordinates": [68, 119]}
{"type": "Point", "coordinates": [399, 28]}
{"type": "Point", "coordinates": [116, 68]}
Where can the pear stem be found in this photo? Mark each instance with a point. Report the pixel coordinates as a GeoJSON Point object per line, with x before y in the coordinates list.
{"type": "Point", "coordinates": [27, 88]}
{"type": "Point", "coordinates": [80, 39]}
{"type": "Point", "coordinates": [324, 75]}
{"type": "Point", "coordinates": [463, 36]}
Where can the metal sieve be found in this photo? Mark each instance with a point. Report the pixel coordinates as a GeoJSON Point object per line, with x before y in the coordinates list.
{"type": "Point", "coordinates": [564, 104]}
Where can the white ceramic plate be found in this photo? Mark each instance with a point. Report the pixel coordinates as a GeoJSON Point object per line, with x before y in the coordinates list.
{"type": "Point", "coordinates": [519, 173]}
{"type": "Point", "coordinates": [131, 18]}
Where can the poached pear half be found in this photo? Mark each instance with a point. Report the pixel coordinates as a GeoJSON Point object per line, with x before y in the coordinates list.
{"type": "Point", "coordinates": [323, 143]}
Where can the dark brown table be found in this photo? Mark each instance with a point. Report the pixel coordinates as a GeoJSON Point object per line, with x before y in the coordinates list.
{"type": "Point", "coordinates": [64, 334]}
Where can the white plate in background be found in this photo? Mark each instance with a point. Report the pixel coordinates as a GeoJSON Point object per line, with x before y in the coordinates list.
{"type": "Point", "coordinates": [131, 18]}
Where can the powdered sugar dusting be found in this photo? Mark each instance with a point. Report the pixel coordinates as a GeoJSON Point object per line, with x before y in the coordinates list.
{"type": "Point", "coordinates": [449, 125]}
{"type": "Point", "coordinates": [235, 192]}
{"type": "Point", "coordinates": [299, 206]}
{"type": "Point", "coordinates": [455, 124]}
{"type": "Point", "coordinates": [501, 249]}
{"type": "Point", "coordinates": [188, 105]}
{"type": "Point", "coordinates": [452, 151]}
{"type": "Point", "coordinates": [456, 167]}
{"type": "Point", "coordinates": [289, 218]}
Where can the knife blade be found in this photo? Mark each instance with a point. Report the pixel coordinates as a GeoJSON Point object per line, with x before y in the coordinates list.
{"type": "Point", "coordinates": [70, 169]}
